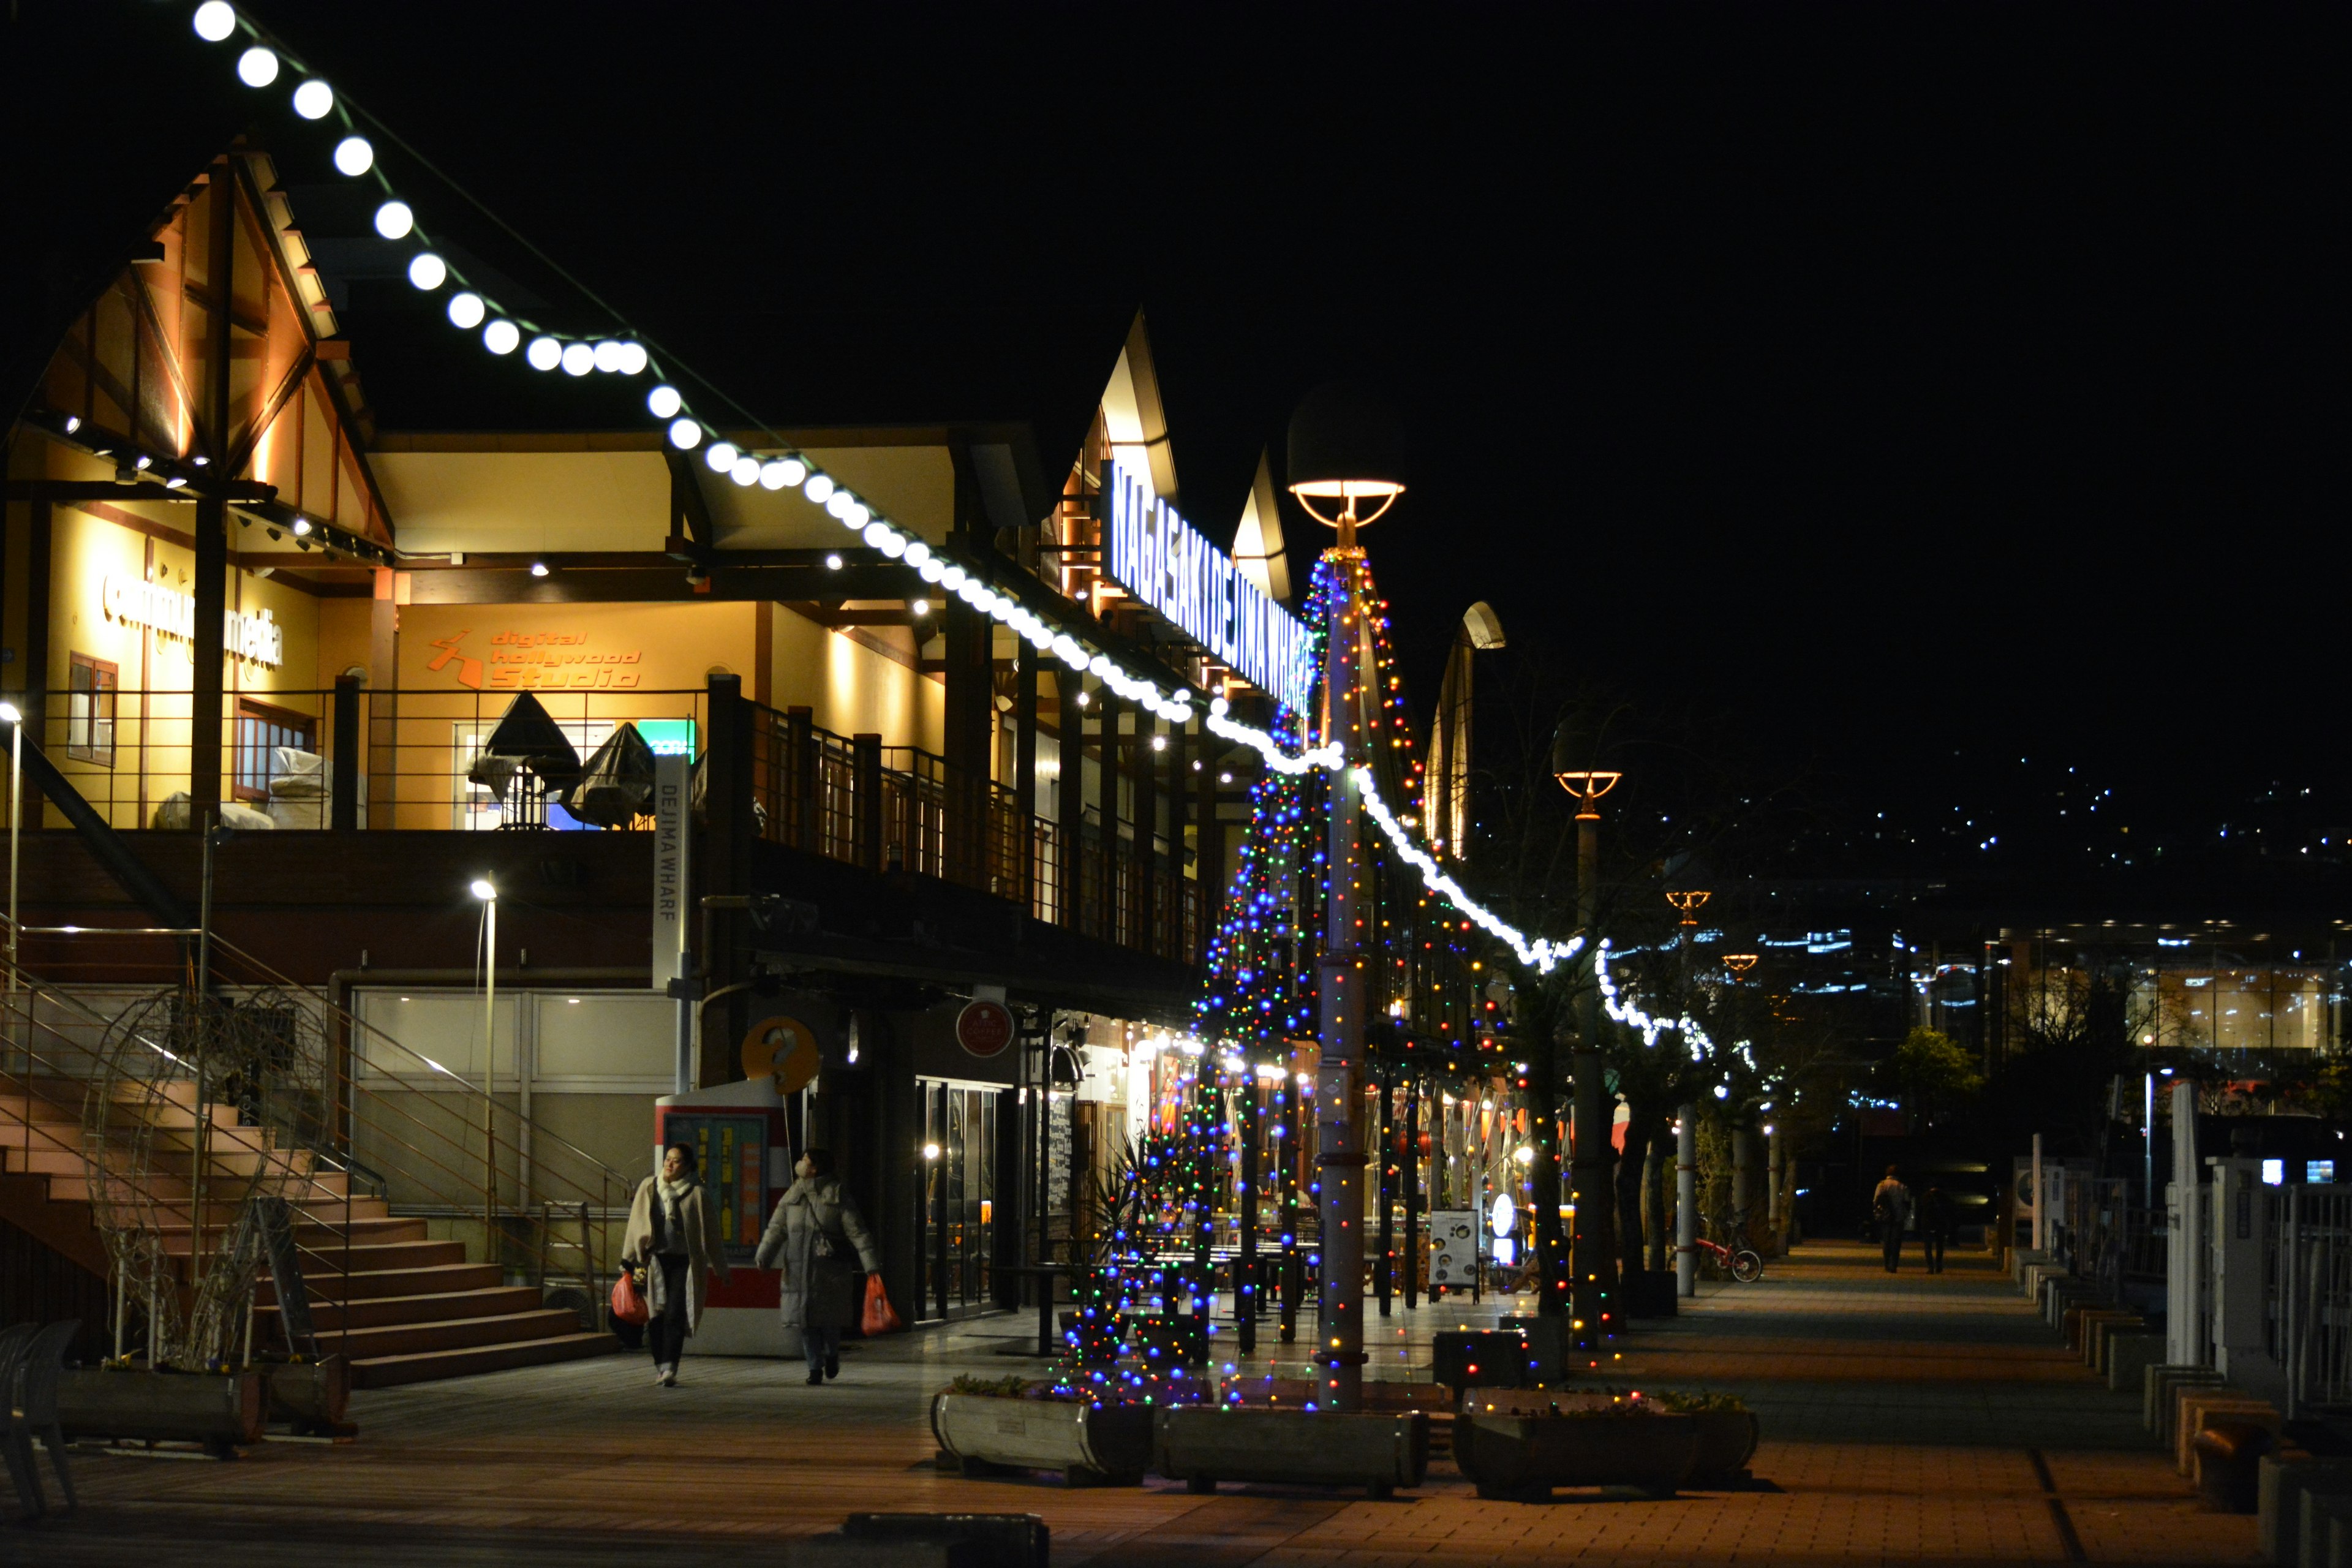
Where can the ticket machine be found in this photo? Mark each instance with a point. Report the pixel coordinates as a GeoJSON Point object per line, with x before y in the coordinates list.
{"type": "Point", "coordinates": [740, 1138]}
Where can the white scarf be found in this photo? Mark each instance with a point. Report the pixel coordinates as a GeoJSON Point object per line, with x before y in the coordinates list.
{"type": "Point", "coordinates": [673, 1195]}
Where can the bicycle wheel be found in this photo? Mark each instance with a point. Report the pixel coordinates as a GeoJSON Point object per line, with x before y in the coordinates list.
{"type": "Point", "coordinates": [1747, 1266]}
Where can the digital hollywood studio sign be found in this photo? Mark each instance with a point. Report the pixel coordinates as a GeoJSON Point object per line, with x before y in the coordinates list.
{"type": "Point", "coordinates": [1156, 555]}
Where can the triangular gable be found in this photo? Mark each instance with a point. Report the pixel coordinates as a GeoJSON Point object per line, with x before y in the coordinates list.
{"type": "Point", "coordinates": [1259, 548]}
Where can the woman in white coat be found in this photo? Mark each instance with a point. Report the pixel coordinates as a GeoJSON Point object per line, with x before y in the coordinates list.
{"type": "Point", "coordinates": [673, 1235]}
{"type": "Point", "coordinates": [812, 1233]}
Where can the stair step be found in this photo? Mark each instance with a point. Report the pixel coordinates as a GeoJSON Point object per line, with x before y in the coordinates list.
{"type": "Point", "coordinates": [55, 1160]}
{"type": "Point", "coordinates": [437, 1279]}
{"type": "Point", "coordinates": [177, 1191]}
{"type": "Point", "coordinates": [324, 1259]}
{"type": "Point", "coordinates": [426, 1366]}
{"type": "Point", "coordinates": [367, 1230]}
{"type": "Point", "coordinates": [379, 1312]}
{"type": "Point", "coordinates": [449, 1334]}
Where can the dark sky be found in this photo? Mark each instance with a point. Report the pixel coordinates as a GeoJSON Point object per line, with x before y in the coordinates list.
{"type": "Point", "coordinates": [1913, 379]}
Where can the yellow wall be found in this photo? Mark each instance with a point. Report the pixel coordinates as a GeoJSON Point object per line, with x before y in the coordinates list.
{"type": "Point", "coordinates": [851, 690]}
{"type": "Point", "coordinates": [154, 669]}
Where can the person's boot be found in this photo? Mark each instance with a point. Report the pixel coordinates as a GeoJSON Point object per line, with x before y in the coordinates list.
{"type": "Point", "coordinates": [833, 1363]}
{"type": "Point", "coordinates": [816, 1376]}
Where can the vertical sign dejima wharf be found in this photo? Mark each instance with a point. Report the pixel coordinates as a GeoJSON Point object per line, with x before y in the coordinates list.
{"type": "Point", "coordinates": [672, 776]}
{"type": "Point", "coordinates": [1156, 555]}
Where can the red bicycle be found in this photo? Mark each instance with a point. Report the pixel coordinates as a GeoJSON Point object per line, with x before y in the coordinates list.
{"type": "Point", "coordinates": [1742, 1262]}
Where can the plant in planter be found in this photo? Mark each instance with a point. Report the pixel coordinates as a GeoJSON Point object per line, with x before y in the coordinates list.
{"type": "Point", "coordinates": [1728, 1431]}
{"type": "Point", "coordinates": [1519, 1444]}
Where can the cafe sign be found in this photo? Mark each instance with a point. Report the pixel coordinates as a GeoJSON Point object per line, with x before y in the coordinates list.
{"type": "Point", "coordinates": [257, 639]}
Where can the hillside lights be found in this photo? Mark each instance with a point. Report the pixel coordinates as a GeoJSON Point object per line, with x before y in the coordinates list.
{"type": "Point", "coordinates": [314, 100]}
{"type": "Point", "coordinates": [427, 271]}
{"type": "Point", "coordinates": [684, 435]}
{"type": "Point", "coordinates": [501, 336]}
{"type": "Point", "coordinates": [543, 353]}
{"type": "Point", "coordinates": [466, 309]}
{"type": "Point", "coordinates": [214, 20]}
{"type": "Point", "coordinates": [721, 456]}
{"type": "Point", "coordinates": [257, 67]}
{"type": "Point", "coordinates": [577, 359]}
{"type": "Point", "coordinates": [354, 156]}
{"type": "Point", "coordinates": [393, 220]}
{"type": "Point", "coordinates": [663, 402]}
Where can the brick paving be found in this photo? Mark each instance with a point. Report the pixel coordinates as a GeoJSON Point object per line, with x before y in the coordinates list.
{"type": "Point", "coordinates": [1912, 1419]}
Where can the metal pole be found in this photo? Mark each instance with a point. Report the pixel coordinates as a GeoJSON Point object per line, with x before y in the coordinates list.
{"type": "Point", "coordinates": [2040, 1197]}
{"type": "Point", "coordinates": [1687, 1202]}
{"type": "Point", "coordinates": [2148, 1145]}
{"type": "Point", "coordinates": [489, 1075]}
{"type": "Point", "coordinates": [15, 831]}
{"type": "Point", "coordinates": [1245, 1295]}
{"type": "Point", "coordinates": [1339, 1156]}
{"type": "Point", "coordinates": [1593, 1271]}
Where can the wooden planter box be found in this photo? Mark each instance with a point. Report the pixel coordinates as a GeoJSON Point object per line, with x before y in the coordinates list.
{"type": "Point", "coordinates": [219, 1409]}
{"type": "Point", "coordinates": [1108, 1446]}
{"type": "Point", "coordinates": [1726, 1441]}
{"type": "Point", "coordinates": [1202, 1445]}
{"type": "Point", "coordinates": [1525, 1457]}
{"type": "Point", "coordinates": [312, 1396]}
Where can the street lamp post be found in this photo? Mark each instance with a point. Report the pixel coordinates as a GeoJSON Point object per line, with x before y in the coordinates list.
{"type": "Point", "coordinates": [1592, 1263]}
{"type": "Point", "coordinates": [1342, 452]}
{"type": "Point", "coordinates": [483, 890]}
{"type": "Point", "coordinates": [16, 721]}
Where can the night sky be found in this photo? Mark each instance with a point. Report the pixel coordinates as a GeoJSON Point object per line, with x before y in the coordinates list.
{"type": "Point", "coordinates": [1912, 389]}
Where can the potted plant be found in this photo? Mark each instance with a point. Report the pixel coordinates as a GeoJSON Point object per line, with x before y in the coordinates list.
{"type": "Point", "coordinates": [1727, 1432]}
{"type": "Point", "coordinates": [1521, 1447]}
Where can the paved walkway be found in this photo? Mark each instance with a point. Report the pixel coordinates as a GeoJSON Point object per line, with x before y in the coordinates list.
{"type": "Point", "coordinates": [1905, 1420]}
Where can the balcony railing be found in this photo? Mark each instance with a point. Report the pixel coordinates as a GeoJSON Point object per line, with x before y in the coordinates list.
{"type": "Point", "coordinates": [403, 759]}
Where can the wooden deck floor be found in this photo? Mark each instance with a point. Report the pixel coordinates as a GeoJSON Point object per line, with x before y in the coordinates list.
{"type": "Point", "coordinates": [1904, 1421]}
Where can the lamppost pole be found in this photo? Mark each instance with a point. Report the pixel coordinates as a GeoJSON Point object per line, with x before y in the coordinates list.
{"type": "Point", "coordinates": [1342, 448]}
{"type": "Point", "coordinates": [1593, 1265]}
{"type": "Point", "coordinates": [489, 894]}
{"type": "Point", "coordinates": [15, 830]}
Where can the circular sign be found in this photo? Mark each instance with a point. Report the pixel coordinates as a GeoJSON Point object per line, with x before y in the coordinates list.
{"type": "Point", "coordinates": [784, 1048]}
{"type": "Point", "coordinates": [984, 1028]}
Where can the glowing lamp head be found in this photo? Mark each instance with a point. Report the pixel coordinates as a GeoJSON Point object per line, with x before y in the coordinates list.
{"type": "Point", "coordinates": [501, 336]}
{"type": "Point", "coordinates": [684, 435]}
{"type": "Point", "coordinates": [1346, 445]}
{"type": "Point", "coordinates": [483, 891]}
{"type": "Point", "coordinates": [544, 352]}
{"type": "Point", "coordinates": [663, 402]}
{"type": "Point", "coordinates": [427, 270]}
{"type": "Point", "coordinates": [9, 714]}
{"type": "Point", "coordinates": [314, 100]}
{"type": "Point", "coordinates": [577, 359]}
{"type": "Point", "coordinates": [354, 155]}
{"type": "Point", "coordinates": [539, 568]}
{"type": "Point", "coordinates": [394, 219]}
{"type": "Point", "coordinates": [214, 20]}
{"type": "Point", "coordinates": [257, 67]}
{"type": "Point", "coordinates": [466, 309]}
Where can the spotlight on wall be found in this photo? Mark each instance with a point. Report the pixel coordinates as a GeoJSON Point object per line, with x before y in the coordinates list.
{"type": "Point", "coordinates": [920, 607]}
{"type": "Point", "coordinates": [833, 562]}
{"type": "Point", "coordinates": [539, 568]}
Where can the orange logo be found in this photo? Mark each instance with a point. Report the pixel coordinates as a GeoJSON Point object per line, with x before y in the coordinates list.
{"type": "Point", "coordinates": [469, 671]}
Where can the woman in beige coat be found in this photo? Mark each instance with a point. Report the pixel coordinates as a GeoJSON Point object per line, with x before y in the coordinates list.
{"type": "Point", "coordinates": [812, 1236]}
{"type": "Point", "coordinates": [673, 1235]}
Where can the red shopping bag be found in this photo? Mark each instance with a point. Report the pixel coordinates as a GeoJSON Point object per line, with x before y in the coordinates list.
{"type": "Point", "coordinates": [881, 1317]}
{"type": "Point", "coordinates": [628, 1301]}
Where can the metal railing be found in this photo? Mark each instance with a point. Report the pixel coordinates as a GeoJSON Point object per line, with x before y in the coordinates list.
{"type": "Point", "coordinates": [353, 1106]}
{"type": "Point", "coordinates": [2307, 1295]}
{"type": "Point", "coordinates": [407, 753]}
{"type": "Point", "coordinates": [902, 809]}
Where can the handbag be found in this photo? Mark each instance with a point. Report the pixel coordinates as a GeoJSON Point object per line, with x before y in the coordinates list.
{"type": "Point", "coordinates": [881, 1317]}
{"type": "Point", "coordinates": [628, 1301]}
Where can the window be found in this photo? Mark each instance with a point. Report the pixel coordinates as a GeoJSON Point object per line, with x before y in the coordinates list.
{"type": "Point", "coordinates": [89, 711]}
{"type": "Point", "coordinates": [260, 730]}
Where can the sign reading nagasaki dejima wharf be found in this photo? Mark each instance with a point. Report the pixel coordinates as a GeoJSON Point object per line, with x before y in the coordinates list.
{"type": "Point", "coordinates": [1155, 557]}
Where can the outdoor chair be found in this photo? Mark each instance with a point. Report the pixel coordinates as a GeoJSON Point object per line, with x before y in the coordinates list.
{"type": "Point", "coordinates": [33, 1412]}
{"type": "Point", "coordinates": [13, 1341]}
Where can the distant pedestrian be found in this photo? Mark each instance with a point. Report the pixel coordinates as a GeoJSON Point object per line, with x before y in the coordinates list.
{"type": "Point", "coordinates": [1890, 1207]}
{"type": "Point", "coordinates": [673, 1235]}
{"type": "Point", "coordinates": [814, 1234]}
{"type": "Point", "coordinates": [1935, 1227]}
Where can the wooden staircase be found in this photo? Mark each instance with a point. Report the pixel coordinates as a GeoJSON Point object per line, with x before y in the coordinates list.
{"type": "Point", "coordinates": [401, 1306]}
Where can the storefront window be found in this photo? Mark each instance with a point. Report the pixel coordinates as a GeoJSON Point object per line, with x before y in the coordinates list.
{"type": "Point", "coordinates": [260, 731]}
{"type": "Point", "coordinates": [2245, 1009]}
{"type": "Point", "coordinates": [89, 711]}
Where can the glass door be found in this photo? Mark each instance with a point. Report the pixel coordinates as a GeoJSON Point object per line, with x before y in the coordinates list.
{"type": "Point", "coordinates": [959, 1218]}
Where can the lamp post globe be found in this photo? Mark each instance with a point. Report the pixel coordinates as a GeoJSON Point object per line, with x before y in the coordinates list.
{"type": "Point", "coordinates": [1343, 458]}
